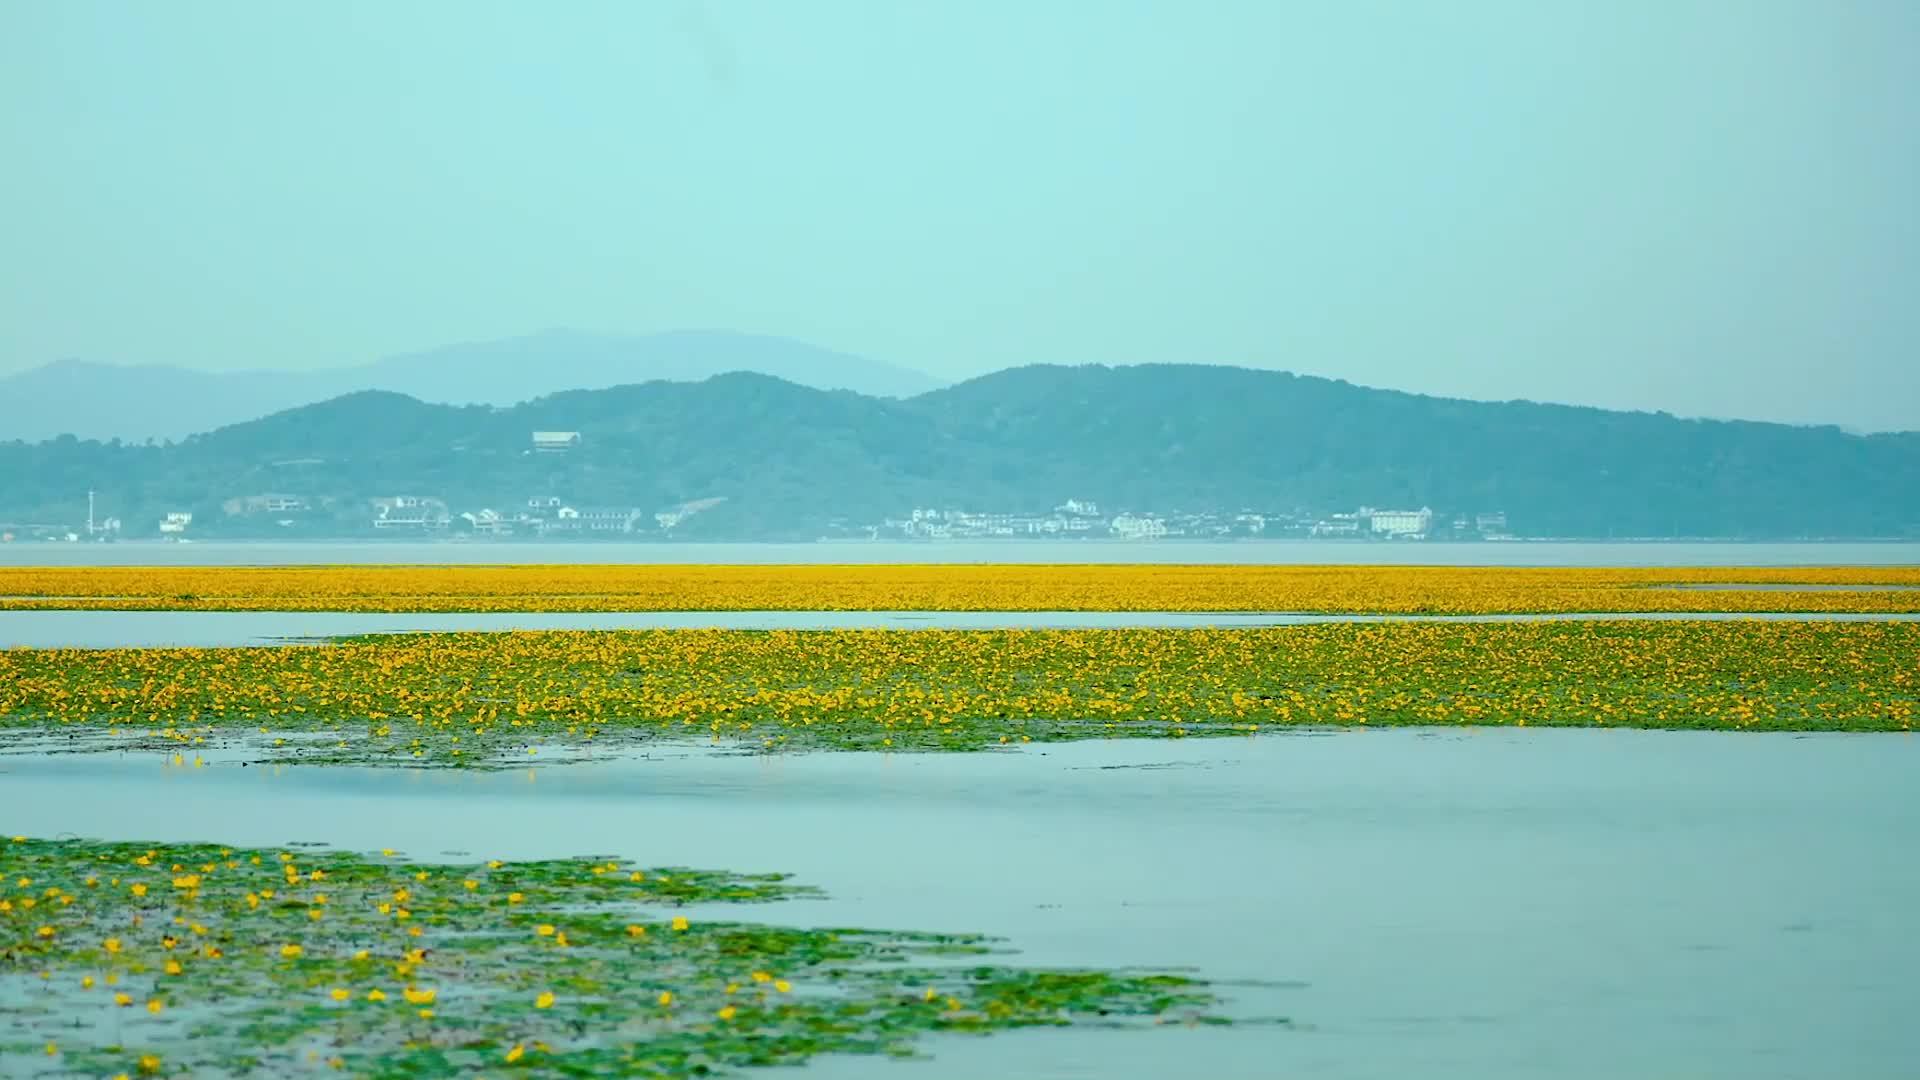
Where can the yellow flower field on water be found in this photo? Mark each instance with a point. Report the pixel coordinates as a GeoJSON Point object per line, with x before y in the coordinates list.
{"type": "Point", "coordinates": [968, 587]}
{"type": "Point", "coordinates": [454, 699]}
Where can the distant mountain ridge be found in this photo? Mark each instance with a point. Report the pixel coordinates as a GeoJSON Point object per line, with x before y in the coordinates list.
{"type": "Point", "coordinates": [793, 462]}
{"type": "Point", "coordinates": [139, 401]}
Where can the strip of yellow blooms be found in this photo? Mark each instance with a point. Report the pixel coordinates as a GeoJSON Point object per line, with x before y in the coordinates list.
{"type": "Point", "coordinates": [968, 587]}
{"type": "Point", "coordinates": [469, 698]}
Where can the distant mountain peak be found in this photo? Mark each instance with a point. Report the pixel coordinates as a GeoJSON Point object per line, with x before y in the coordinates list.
{"type": "Point", "coordinates": [92, 399]}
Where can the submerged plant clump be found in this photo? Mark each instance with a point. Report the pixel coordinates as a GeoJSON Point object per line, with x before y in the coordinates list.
{"type": "Point", "coordinates": [190, 959]}
{"type": "Point", "coordinates": [488, 699]}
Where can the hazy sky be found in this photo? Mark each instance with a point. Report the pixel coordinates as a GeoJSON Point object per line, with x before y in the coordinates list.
{"type": "Point", "coordinates": [1712, 208]}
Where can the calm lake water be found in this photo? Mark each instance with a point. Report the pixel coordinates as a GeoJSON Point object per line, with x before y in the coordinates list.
{"type": "Point", "coordinates": [217, 629]}
{"type": "Point", "coordinates": [213, 629]}
{"type": "Point", "coordinates": [1272, 552]}
{"type": "Point", "coordinates": [1486, 904]}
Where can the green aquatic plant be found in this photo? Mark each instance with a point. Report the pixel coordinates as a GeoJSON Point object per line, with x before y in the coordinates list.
{"type": "Point", "coordinates": [194, 959]}
{"type": "Point", "coordinates": [487, 700]}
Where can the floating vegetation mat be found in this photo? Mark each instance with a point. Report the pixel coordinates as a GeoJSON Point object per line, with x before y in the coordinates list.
{"type": "Point", "coordinates": [488, 699]}
{"type": "Point", "coordinates": [196, 960]}
{"type": "Point", "coordinates": [1457, 590]}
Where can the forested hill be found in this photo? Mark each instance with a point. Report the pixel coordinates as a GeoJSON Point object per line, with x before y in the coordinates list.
{"type": "Point", "coordinates": [789, 460]}
{"type": "Point", "coordinates": [141, 401]}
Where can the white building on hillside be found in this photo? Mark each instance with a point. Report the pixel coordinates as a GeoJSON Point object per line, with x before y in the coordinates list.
{"type": "Point", "coordinates": [555, 442]}
{"type": "Point", "coordinates": [489, 522]}
{"type": "Point", "coordinates": [1400, 523]}
{"type": "Point", "coordinates": [1136, 527]}
{"type": "Point", "coordinates": [410, 512]}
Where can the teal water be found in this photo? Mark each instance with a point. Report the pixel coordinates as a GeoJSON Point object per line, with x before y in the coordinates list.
{"type": "Point", "coordinates": [210, 629]}
{"type": "Point", "coordinates": [1486, 903]}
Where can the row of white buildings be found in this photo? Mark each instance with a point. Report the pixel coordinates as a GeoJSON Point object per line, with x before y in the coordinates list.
{"type": "Point", "coordinates": [550, 515]}
{"type": "Point", "coordinates": [1079, 518]}
{"type": "Point", "coordinates": [1411, 525]}
{"type": "Point", "coordinates": [1075, 518]}
{"type": "Point", "coordinates": [1386, 524]}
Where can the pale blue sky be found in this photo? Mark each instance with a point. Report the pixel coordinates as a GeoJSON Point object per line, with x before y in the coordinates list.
{"type": "Point", "coordinates": [1707, 207]}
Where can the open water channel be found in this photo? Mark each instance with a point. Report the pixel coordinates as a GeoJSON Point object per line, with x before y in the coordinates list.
{"type": "Point", "coordinates": [214, 629]}
{"type": "Point", "coordinates": [1484, 903]}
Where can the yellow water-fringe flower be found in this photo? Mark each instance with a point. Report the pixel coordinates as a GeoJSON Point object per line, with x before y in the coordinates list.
{"type": "Point", "coordinates": [934, 689]}
{"type": "Point", "coordinates": [966, 587]}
